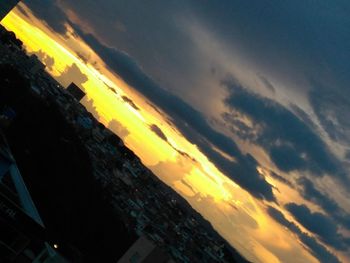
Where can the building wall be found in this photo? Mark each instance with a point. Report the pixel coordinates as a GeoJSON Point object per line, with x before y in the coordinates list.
{"type": "Point", "coordinates": [76, 91]}
{"type": "Point", "coordinates": [144, 251]}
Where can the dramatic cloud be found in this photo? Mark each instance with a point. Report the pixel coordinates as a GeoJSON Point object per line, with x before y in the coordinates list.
{"type": "Point", "coordinates": [322, 254]}
{"type": "Point", "coordinates": [309, 192]}
{"type": "Point", "coordinates": [130, 102]}
{"type": "Point", "coordinates": [72, 74]}
{"type": "Point", "coordinates": [281, 179]}
{"type": "Point", "coordinates": [330, 106]}
{"type": "Point", "coordinates": [303, 116]}
{"type": "Point", "coordinates": [49, 12]}
{"type": "Point", "coordinates": [189, 121]}
{"type": "Point", "coordinates": [280, 133]}
{"type": "Point", "coordinates": [319, 224]}
{"type": "Point", "coordinates": [158, 132]}
{"type": "Point", "coordinates": [156, 48]}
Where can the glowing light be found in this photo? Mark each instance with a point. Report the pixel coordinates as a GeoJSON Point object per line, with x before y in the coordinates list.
{"type": "Point", "coordinates": [204, 179]}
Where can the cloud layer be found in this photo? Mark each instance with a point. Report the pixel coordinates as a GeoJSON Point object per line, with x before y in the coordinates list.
{"type": "Point", "coordinates": [324, 255]}
{"type": "Point", "coordinates": [281, 133]}
{"type": "Point", "coordinates": [298, 52]}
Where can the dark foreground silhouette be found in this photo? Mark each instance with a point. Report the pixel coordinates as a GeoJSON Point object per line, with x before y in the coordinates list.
{"type": "Point", "coordinates": [58, 173]}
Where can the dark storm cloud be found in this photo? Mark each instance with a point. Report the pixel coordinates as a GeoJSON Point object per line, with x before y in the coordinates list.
{"type": "Point", "coordinates": [271, 32]}
{"type": "Point", "coordinates": [147, 31]}
{"type": "Point", "coordinates": [318, 250]}
{"type": "Point", "coordinates": [158, 132]}
{"type": "Point", "coordinates": [309, 35]}
{"type": "Point", "coordinates": [291, 144]}
{"type": "Point", "coordinates": [279, 217]}
{"type": "Point", "coordinates": [296, 39]}
{"type": "Point", "coordinates": [304, 37]}
{"type": "Point", "coordinates": [311, 193]}
{"type": "Point", "coordinates": [320, 224]}
{"type": "Point", "coordinates": [50, 12]}
{"type": "Point", "coordinates": [130, 102]}
{"type": "Point", "coordinates": [267, 83]}
{"type": "Point", "coordinates": [23, 11]}
{"type": "Point", "coordinates": [303, 116]}
{"type": "Point", "coordinates": [233, 122]}
{"type": "Point", "coordinates": [278, 33]}
{"type": "Point", "coordinates": [281, 179]}
{"type": "Point", "coordinates": [191, 123]}
{"type": "Point", "coordinates": [303, 33]}
{"type": "Point", "coordinates": [331, 106]}
{"type": "Point", "coordinates": [347, 155]}
{"type": "Point", "coordinates": [292, 38]}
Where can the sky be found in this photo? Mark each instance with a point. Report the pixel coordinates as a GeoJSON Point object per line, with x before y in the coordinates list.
{"type": "Point", "coordinates": [240, 106]}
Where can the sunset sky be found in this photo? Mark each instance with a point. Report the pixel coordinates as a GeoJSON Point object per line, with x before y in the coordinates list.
{"type": "Point", "coordinates": [240, 106]}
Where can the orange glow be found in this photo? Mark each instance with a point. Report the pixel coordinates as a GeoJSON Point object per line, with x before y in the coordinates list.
{"type": "Point", "coordinates": [209, 191]}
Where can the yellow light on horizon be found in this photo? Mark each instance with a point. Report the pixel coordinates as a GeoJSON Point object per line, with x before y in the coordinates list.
{"type": "Point", "coordinates": [204, 177]}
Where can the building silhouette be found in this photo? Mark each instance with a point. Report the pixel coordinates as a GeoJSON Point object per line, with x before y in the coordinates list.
{"type": "Point", "coordinates": [145, 251]}
{"type": "Point", "coordinates": [22, 232]}
{"type": "Point", "coordinates": [76, 92]}
{"type": "Point", "coordinates": [6, 6]}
